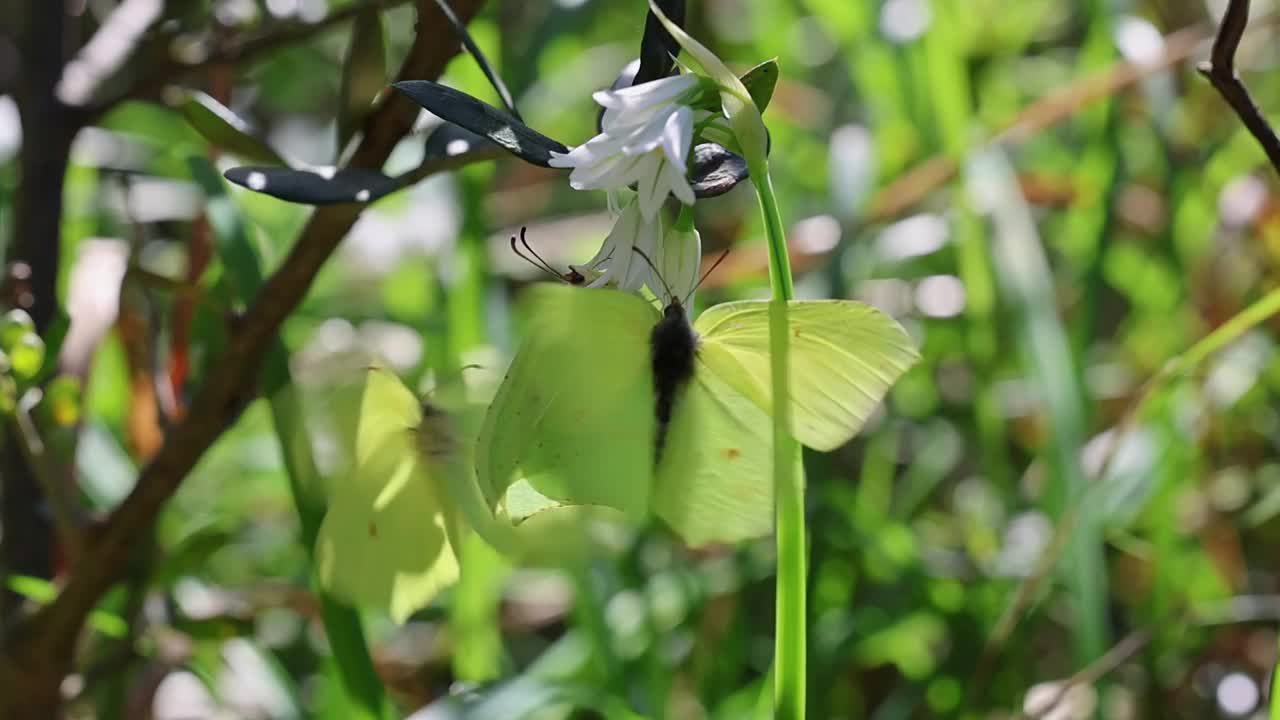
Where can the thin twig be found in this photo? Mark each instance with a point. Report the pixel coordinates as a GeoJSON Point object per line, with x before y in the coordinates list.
{"type": "Point", "coordinates": [1232, 611]}
{"type": "Point", "coordinates": [32, 449]}
{"type": "Point", "coordinates": [1221, 71]}
{"type": "Point", "coordinates": [1094, 671]}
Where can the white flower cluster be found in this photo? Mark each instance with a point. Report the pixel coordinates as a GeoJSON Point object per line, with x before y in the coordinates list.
{"type": "Point", "coordinates": [647, 131]}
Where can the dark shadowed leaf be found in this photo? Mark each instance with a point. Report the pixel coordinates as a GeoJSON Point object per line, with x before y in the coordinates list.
{"type": "Point", "coordinates": [449, 140]}
{"type": "Point", "coordinates": [224, 129]}
{"type": "Point", "coordinates": [484, 119]}
{"type": "Point", "coordinates": [714, 170]}
{"type": "Point", "coordinates": [312, 187]}
{"type": "Point", "coordinates": [363, 75]}
{"type": "Point", "coordinates": [658, 49]}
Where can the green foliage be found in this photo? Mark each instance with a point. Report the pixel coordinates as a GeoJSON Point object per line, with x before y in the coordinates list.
{"type": "Point", "coordinates": [1092, 294]}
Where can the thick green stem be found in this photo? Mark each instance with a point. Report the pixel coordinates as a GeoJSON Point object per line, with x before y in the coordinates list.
{"type": "Point", "coordinates": [790, 635]}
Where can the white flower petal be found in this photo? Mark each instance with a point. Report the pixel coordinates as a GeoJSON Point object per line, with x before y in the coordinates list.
{"type": "Point", "coordinates": [562, 160]}
{"type": "Point", "coordinates": [617, 172]}
{"type": "Point", "coordinates": [677, 136]}
{"type": "Point", "coordinates": [681, 254]}
{"type": "Point", "coordinates": [678, 184]}
{"type": "Point", "coordinates": [654, 92]}
{"type": "Point", "coordinates": [594, 150]}
{"type": "Point", "coordinates": [649, 136]}
{"type": "Point", "coordinates": [614, 203]}
{"type": "Point", "coordinates": [650, 185]}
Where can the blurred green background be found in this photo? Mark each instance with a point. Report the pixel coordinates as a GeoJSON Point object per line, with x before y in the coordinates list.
{"type": "Point", "coordinates": [1045, 194]}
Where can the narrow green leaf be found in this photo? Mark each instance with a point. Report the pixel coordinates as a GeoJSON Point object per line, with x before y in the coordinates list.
{"type": "Point", "coordinates": [224, 129]}
{"type": "Point", "coordinates": [43, 592]}
{"type": "Point", "coordinates": [364, 74]}
{"type": "Point", "coordinates": [760, 82]}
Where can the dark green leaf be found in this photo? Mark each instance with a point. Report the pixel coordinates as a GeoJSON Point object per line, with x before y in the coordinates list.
{"type": "Point", "coordinates": [363, 75]}
{"type": "Point", "coordinates": [311, 187]}
{"type": "Point", "coordinates": [224, 129]}
{"type": "Point", "coordinates": [760, 82]}
{"type": "Point", "coordinates": [448, 140]}
{"type": "Point", "coordinates": [484, 119]}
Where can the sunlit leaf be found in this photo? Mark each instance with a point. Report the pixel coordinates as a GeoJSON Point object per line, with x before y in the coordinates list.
{"type": "Point", "coordinates": [225, 130]}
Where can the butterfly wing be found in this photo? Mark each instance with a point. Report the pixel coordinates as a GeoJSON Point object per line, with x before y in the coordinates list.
{"type": "Point", "coordinates": [575, 413]}
{"type": "Point", "coordinates": [714, 483]}
{"type": "Point", "coordinates": [844, 356]}
{"type": "Point", "coordinates": [385, 541]}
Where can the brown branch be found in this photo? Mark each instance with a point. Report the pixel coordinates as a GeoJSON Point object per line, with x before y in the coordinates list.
{"type": "Point", "coordinates": [1221, 71]}
{"type": "Point", "coordinates": [33, 256]}
{"type": "Point", "coordinates": [239, 49]}
{"type": "Point", "coordinates": [37, 655]}
{"type": "Point", "coordinates": [1118, 655]}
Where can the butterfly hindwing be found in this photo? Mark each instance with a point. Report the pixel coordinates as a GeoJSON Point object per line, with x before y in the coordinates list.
{"type": "Point", "coordinates": [844, 356]}
{"type": "Point", "coordinates": [714, 482]}
{"type": "Point", "coordinates": [574, 415]}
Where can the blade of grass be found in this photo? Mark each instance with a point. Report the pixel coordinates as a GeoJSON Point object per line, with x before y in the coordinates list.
{"type": "Point", "coordinates": [1026, 279]}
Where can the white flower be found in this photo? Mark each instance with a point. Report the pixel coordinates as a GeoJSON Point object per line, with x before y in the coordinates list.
{"type": "Point", "coordinates": [678, 259]}
{"type": "Point", "coordinates": [618, 263]}
{"type": "Point", "coordinates": [647, 133]}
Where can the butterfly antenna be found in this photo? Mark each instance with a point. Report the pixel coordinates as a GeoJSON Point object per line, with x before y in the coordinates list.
{"type": "Point", "coordinates": [534, 253]}
{"type": "Point", "coordinates": [710, 270]}
{"type": "Point", "coordinates": [654, 268]}
{"type": "Point", "coordinates": [536, 260]}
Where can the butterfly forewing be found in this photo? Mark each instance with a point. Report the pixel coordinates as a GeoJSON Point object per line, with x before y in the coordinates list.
{"type": "Point", "coordinates": [844, 357]}
{"type": "Point", "coordinates": [385, 541]}
{"type": "Point", "coordinates": [574, 416]}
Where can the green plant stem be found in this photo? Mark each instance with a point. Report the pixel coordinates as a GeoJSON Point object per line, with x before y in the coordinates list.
{"type": "Point", "coordinates": [790, 634]}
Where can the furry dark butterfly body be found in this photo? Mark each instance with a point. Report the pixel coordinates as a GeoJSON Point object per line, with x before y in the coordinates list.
{"type": "Point", "coordinates": [672, 346]}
